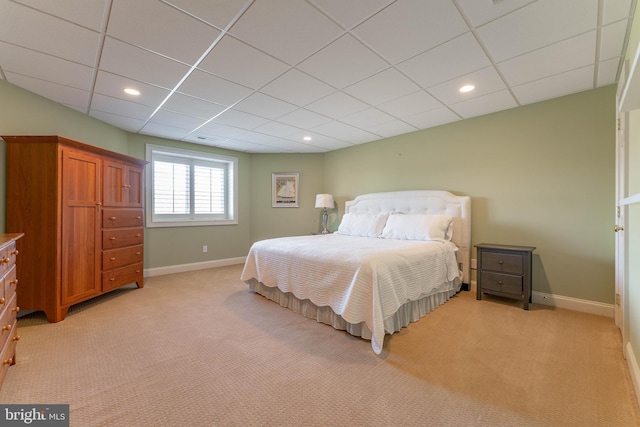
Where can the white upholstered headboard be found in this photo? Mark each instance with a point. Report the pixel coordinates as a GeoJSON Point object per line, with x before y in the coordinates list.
{"type": "Point", "coordinates": [425, 202]}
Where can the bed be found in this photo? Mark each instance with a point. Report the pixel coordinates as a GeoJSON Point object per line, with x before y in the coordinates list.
{"type": "Point", "coordinates": [395, 257]}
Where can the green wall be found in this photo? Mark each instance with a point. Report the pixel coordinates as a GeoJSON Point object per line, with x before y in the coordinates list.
{"type": "Point", "coordinates": [540, 175]}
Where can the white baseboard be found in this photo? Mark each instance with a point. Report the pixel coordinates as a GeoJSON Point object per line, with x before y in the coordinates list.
{"type": "Point", "coordinates": [569, 303]}
{"type": "Point", "coordinates": [171, 269]}
{"type": "Point", "coordinates": [634, 370]}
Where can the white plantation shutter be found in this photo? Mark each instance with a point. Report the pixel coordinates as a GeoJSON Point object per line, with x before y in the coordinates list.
{"type": "Point", "coordinates": [191, 188]}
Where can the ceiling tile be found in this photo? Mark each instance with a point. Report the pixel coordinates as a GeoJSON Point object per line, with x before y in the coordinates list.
{"type": "Point", "coordinates": [393, 128]}
{"type": "Point", "coordinates": [45, 67]}
{"type": "Point", "coordinates": [127, 22]}
{"type": "Point", "coordinates": [537, 25]}
{"type": "Point", "coordinates": [65, 95]}
{"type": "Point", "coordinates": [171, 118]}
{"type": "Point", "coordinates": [290, 32]}
{"type": "Point", "coordinates": [304, 118]}
{"type": "Point", "coordinates": [614, 10]}
{"type": "Point", "coordinates": [608, 71]}
{"type": "Point", "coordinates": [234, 60]}
{"type": "Point", "coordinates": [496, 101]}
{"type": "Point", "coordinates": [129, 124]}
{"type": "Point", "coordinates": [213, 89]}
{"type": "Point", "coordinates": [409, 27]}
{"type": "Point", "coordinates": [138, 64]}
{"type": "Point", "coordinates": [113, 85]}
{"type": "Point", "coordinates": [297, 88]}
{"type": "Point", "coordinates": [367, 118]}
{"type": "Point", "coordinates": [240, 119]}
{"type": "Point", "coordinates": [91, 14]}
{"type": "Point", "coordinates": [122, 107]}
{"type": "Point", "coordinates": [221, 131]}
{"type": "Point", "coordinates": [486, 81]}
{"type": "Point", "coordinates": [612, 40]}
{"type": "Point", "coordinates": [190, 106]}
{"type": "Point", "coordinates": [567, 55]}
{"type": "Point", "coordinates": [457, 57]}
{"type": "Point", "coordinates": [382, 87]}
{"type": "Point", "coordinates": [481, 12]}
{"type": "Point", "coordinates": [263, 105]}
{"type": "Point", "coordinates": [164, 131]}
{"type": "Point", "coordinates": [79, 44]}
{"type": "Point", "coordinates": [411, 104]}
{"type": "Point", "coordinates": [337, 105]}
{"type": "Point", "coordinates": [343, 62]}
{"type": "Point", "coordinates": [351, 13]}
{"type": "Point", "coordinates": [345, 132]}
{"type": "Point", "coordinates": [277, 129]}
{"type": "Point", "coordinates": [551, 87]}
{"type": "Point", "coordinates": [218, 13]}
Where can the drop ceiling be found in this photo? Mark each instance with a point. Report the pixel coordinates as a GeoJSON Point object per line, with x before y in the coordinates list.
{"type": "Point", "coordinates": [306, 76]}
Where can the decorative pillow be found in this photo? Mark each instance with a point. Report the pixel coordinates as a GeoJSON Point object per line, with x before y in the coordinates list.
{"type": "Point", "coordinates": [362, 225]}
{"type": "Point", "coordinates": [418, 227]}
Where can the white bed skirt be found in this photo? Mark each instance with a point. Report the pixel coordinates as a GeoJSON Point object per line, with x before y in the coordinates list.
{"type": "Point", "coordinates": [407, 313]}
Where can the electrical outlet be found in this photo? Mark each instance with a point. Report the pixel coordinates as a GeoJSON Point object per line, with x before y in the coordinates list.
{"type": "Point", "coordinates": [204, 249]}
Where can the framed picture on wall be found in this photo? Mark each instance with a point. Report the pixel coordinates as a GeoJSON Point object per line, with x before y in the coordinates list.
{"type": "Point", "coordinates": [285, 189]}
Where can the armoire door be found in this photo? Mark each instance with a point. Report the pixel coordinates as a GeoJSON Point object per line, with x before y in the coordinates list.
{"type": "Point", "coordinates": [81, 242]}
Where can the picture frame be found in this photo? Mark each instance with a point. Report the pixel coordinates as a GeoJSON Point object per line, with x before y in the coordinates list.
{"type": "Point", "coordinates": [285, 190]}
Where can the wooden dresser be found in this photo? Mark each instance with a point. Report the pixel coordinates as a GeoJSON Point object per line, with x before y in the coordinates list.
{"type": "Point", "coordinates": [81, 209]}
{"type": "Point", "coordinates": [8, 302]}
{"type": "Point", "coordinates": [505, 270]}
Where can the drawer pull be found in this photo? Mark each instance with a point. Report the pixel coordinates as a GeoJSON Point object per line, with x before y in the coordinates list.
{"type": "Point", "coordinates": [112, 218]}
{"type": "Point", "coordinates": [14, 282]}
{"type": "Point", "coordinates": [16, 338]}
{"type": "Point", "coordinates": [8, 361]}
{"type": "Point", "coordinates": [1, 300]}
{"type": "Point", "coordinates": [112, 238]}
{"type": "Point", "coordinates": [138, 217]}
{"type": "Point", "coordinates": [137, 271]}
{"type": "Point", "coordinates": [17, 309]}
{"type": "Point", "coordinates": [499, 282]}
{"type": "Point", "coordinates": [6, 328]}
{"type": "Point", "coordinates": [112, 279]}
{"type": "Point", "coordinates": [6, 260]}
{"type": "Point", "coordinates": [138, 235]}
{"type": "Point", "coordinates": [137, 253]}
{"type": "Point", "coordinates": [14, 252]}
{"type": "Point", "coordinates": [112, 258]}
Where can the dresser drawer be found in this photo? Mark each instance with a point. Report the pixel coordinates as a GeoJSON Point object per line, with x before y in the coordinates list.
{"type": "Point", "coordinates": [116, 258]}
{"type": "Point", "coordinates": [118, 238]}
{"type": "Point", "coordinates": [505, 283]}
{"type": "Point", "coordinates": [122, 276]}
{"type": "Point", "coordinates": [8, 352]}
{"type": "Point", "coordinates": [7, 318]}
{"type": "Point", "coordinates": [502, 262]}
{"type": "Point", "coordinates": [10, 283]}
{"type": "Point", "coordinates": [7, 257]}
{"type": "Point", "coordinates": [118, 218]}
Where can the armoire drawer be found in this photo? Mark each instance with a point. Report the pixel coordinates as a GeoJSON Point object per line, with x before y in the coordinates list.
{"type": "Point", "coordinates": [116, 258]}
{"type": "Point", "coordinates": [121, 276]}
{"type": "Point", "coordinates": [119, 238]}
{"type": "Point", "coordinates": [118, 218]}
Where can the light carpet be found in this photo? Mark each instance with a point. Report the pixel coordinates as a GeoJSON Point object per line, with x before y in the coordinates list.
{"type": "Point", "coordinates": [199, 349]}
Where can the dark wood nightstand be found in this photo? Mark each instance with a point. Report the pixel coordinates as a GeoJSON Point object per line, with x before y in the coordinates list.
{"type": "Point", "coordinates": [505, 270]}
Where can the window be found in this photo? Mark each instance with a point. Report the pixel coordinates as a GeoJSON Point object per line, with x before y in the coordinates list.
{"type": "Point", "coordinates": [190, 188]}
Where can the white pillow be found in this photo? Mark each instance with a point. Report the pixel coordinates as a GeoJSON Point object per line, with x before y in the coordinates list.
{"type": "Point", "coordinates": [362, 225]}
{"type": "Point", "coordinates": [418, 227]}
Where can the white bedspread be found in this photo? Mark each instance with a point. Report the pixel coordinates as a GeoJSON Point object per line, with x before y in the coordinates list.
{"type": "Point", "coordinates": [362, 279]}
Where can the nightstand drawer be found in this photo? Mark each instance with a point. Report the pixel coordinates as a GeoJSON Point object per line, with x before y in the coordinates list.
{"type": "Point", "coordinates": [501, 283]}
{"type": "Point", "coordinates": [504, 263]}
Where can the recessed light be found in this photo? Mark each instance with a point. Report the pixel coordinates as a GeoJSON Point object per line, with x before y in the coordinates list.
{"type": "Point", "coordinates": [467, 88]}
{"type": "Point", "coordinates": [307, 138]}
{"type": "Point", "coordinates": [132, 91]}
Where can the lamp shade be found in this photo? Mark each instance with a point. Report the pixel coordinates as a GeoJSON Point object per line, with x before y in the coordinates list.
{"type": "Point", "coordinates": [324, 201]}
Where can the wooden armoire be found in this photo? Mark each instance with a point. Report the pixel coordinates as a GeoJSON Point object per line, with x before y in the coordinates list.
{"type": "Point", "coordinates": [81, 210]}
